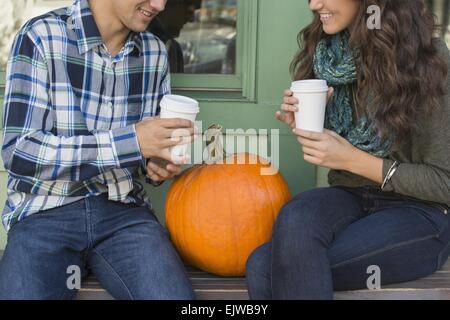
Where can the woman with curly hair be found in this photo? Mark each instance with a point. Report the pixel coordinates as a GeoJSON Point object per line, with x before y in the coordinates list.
{"type": "Point", "coordinates": [387, 146]}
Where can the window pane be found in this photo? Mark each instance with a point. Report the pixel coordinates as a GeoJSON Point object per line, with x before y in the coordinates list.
{"type": "Point", "coordinates": [441, 9]}
{"type": "Point", "coordinates": [200, 35]}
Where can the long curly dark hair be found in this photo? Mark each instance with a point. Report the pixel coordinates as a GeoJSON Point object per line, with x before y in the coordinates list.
{"type": "Point", "coordinates": [398, 65]}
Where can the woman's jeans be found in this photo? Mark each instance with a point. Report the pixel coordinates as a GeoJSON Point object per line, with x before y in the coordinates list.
{"type": "Point", "coordinates": [325, 240]}
{"type": "Point", "coordinates": [123, 245]}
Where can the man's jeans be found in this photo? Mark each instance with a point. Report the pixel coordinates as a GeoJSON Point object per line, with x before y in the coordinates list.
{"type": "Point", "coordinates": [326, 239]}
{"type": "Point", "coordinates": [124, 246]}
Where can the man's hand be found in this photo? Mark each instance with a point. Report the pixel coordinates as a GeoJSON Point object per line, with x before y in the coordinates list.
{"type": "Point", "coordinates": [160, 170]}
{"type": "Point", "coordinates": [156, 136]}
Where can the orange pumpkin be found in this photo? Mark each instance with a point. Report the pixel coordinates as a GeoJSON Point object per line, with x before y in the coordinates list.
{"type": "Point", "coordinates": [218, 214]}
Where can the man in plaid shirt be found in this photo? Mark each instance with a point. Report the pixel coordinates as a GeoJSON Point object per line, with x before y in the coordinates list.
{"type": "Point", "coordinates": [81, 105]}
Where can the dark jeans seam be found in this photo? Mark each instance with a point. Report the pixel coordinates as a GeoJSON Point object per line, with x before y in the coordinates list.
{"type": "Point", "coordinates": [114, 272]}
{"type": "Point", "coordinates": [404, 243]}
{"type": "Point", "coordinates": [88, 218]}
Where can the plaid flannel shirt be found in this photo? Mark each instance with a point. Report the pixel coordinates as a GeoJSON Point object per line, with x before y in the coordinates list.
{"type": "Point", "coordinates": [70, 112]}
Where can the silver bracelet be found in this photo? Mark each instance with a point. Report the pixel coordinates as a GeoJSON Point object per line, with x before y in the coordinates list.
{"type": "Point", "coordinates": [389, 174]}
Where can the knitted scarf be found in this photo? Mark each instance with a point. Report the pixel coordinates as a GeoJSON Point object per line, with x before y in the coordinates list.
{"type": "Point", "coordinates": [334, 62]}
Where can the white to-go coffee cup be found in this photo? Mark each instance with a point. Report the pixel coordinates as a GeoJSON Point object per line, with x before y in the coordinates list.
{"type": "Point", "coordinates": [312, 97]}
{"type": "Point", "coordinates": [179, 107]}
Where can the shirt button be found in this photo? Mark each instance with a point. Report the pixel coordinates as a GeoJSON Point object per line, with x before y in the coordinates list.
{"type": "Point", "coordinates": [110, 104]}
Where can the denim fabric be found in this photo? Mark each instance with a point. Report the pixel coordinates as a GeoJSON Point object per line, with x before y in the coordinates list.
{"type": "Point", "coordinates": [325, 239]}
{"type": "Point", "coordinates": [124, 245]}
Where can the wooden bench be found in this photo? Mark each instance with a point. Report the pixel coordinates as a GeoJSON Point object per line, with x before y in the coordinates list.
{"type": "Point", "coordinates": [210, 287]}
{"type": "Point", "coordinates": [206, 287]}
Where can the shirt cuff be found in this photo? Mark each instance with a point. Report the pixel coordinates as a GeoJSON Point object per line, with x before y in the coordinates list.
{"type": "Point", "coordinates": [125, 146]}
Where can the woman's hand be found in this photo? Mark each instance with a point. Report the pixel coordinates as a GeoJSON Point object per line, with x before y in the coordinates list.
{"type": "Point", "coordinates": [327, 149]}
{"type": "Point", "coordinates": [289, 107]}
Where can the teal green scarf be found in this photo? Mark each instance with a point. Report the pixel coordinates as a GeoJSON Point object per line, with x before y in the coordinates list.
{"type": "Point", "coordinates": [334, 62]}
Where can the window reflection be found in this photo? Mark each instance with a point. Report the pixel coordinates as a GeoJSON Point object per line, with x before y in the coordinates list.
{"type": "Point", "coordinates": [200, 35]}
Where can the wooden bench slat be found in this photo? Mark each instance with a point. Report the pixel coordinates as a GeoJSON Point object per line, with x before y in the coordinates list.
{"type": "Point", "coordinates": [415, 294]}
{"type": "Point", "coordinates": [208, 286]}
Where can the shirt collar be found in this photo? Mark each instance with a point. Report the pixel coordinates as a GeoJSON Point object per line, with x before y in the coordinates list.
{"type": "Point", "coordinates": [82, 21]}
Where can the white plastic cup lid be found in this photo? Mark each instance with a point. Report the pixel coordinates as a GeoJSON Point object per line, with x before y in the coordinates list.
{"type": "Point", "coordinates": [178, 103]}
{"type": "Point", "coordinates": [312, 85]}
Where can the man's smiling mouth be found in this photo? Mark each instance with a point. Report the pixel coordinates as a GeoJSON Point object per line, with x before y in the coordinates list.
{"type": "Point", "coordinates": [146, 13]}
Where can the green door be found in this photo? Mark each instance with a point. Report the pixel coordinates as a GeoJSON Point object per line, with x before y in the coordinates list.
{"type": "Point", "coordinates": [269, 42]}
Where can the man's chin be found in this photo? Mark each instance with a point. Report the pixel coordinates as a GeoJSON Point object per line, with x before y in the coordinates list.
{"type": "Point", "coordinates": [139, 28]}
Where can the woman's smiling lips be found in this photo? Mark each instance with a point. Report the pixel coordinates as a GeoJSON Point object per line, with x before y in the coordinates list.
{"type": "Point", "coordinates": [325, 17]}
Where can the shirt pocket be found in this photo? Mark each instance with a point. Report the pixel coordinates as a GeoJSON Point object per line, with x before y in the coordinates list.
{"type": "Point", "coordinates": [129, 111]}
{"type": "Point", "coordinates": [117, 113]}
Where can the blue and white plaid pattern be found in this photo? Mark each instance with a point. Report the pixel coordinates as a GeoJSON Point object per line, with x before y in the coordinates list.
{"type": "Point", "coordinates": [70, 112]}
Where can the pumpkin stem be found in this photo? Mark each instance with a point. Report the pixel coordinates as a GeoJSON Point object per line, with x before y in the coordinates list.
{"type": "Point", "coordinates": [216, 152]}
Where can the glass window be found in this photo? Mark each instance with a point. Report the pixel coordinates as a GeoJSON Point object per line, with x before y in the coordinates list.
{"type": "Point", "coordinates": [208, 56]}
{"type": "Point", "coordinates": [200, 35]}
